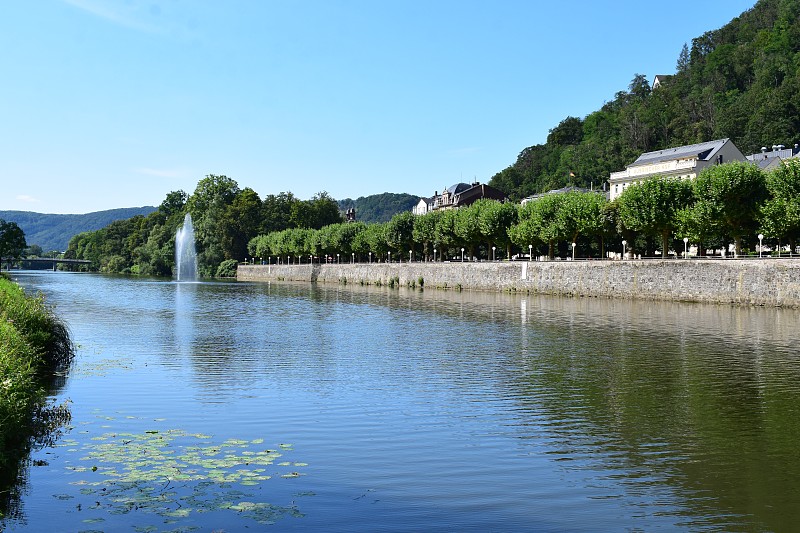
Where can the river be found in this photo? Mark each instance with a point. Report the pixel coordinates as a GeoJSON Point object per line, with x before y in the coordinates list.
{"type": "Point", "coordinates": [300, 407]}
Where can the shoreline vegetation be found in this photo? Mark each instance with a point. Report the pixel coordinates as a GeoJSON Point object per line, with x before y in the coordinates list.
{"type": "Point", "coordinates": [35, 351]}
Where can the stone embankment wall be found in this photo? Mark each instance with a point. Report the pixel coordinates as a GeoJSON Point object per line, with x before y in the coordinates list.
{"type": "Point", "coordinates": [770, 282]}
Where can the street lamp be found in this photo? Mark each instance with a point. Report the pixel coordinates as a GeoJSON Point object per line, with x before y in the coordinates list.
{"type": "Point", "coordinates": [686, 247]}
{"type": "Point", "coordinates": [462, 255]}
{"type": "Point", "coordinates": [530, 252]}
{"type": "Point", "coordinates": [493, 249]}
{"type": "Point", "coordinates": [352, 258]}
{"type": "Point", "coordinates": [337, 259]}
{"type": "Point", "coordinates": [434, 255]}
{"type": "Point", "coordinates": [370, 258]}
{"type": "Point", "coordinates": [390, 257]}
{"type": "Point", "coordinates": [624, 242]}
{"type": "Point", "coordinates": [573, 250]}
{"type": "Point", "coordinates": [760, 238]}
{"type": "Point", "coordinates": [409, 255]}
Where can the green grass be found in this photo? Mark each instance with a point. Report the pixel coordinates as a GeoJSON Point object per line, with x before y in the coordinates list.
{"type": "Point", "coordinates": [34, 346]}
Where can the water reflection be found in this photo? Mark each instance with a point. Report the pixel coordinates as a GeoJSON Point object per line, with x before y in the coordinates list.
{"type": "Point", "coordinates": [461, 409]}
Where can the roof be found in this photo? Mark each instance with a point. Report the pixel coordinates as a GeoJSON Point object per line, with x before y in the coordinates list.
{"type": "Point", "coordinates": [458, 187]}
{"type": "Point", "coordinates": [701, 151]}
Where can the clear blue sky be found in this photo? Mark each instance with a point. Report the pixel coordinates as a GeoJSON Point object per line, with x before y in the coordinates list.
{"type": "Point", "coordinates": [107, 104]}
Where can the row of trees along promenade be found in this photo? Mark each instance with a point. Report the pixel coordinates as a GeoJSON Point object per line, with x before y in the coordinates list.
{"type": "Point", "coordinates": [727, 204]}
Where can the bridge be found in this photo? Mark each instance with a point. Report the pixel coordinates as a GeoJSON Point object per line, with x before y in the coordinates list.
{"type": "Point", "coordinates": [28, 262]}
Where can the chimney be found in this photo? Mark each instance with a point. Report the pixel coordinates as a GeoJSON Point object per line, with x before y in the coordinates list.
{"type": "Point", "coordinates": [763, 149]}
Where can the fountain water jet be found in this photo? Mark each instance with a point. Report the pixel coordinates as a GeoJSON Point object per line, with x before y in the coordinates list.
{"type": "Point", "coordinates": [185, 254]}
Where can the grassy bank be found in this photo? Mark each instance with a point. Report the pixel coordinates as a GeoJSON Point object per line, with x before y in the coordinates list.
{"type": "Point", "coordinates": [34, 347]}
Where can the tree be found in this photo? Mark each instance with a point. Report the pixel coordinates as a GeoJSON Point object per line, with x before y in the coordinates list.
{"type": "Point", "coordinates": [424, 231]}
{"type": "Point", "coordinates": [543, 214]}
{"type": "Point", "coordinates": [652, 207]}
{"type": "Point", "coordinates": [780, 214]}
{"type": "Point", "coordinates": [732, 195]}
{"type": "Point", "coordinates": [400, 232]}
{"type": "Point", "coordinates": [12, 240]}
{"type": "Point", "coordinates": [494, 221]}
{"type": "Point", "coordinates": [683, 59]}
{"type": "Point", "coordinates": [467, 227]}
{"type": "Point", "coordinates": [209, 206]}
{"type": "Point", "coordinates": [581, 214]}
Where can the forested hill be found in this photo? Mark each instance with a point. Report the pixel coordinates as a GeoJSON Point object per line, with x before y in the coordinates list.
{"type": "Point", "coordinates": [741, 81]}
{"type": "Point", "coordinates": [379, 207]}
{"type": "Point", "coordinates": [53, 232]}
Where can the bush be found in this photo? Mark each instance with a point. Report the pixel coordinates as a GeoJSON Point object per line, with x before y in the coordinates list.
{"type": "Point", "coordinates": [227, 269]}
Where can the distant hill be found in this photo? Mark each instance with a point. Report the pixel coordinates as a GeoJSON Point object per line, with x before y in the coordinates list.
{"type": "Point", "coordinates": [53, 232]}
{"type": "Point", "coordinates": [379, 207]}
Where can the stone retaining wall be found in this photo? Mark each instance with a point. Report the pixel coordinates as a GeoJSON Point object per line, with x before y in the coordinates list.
{"type": "Point", "coordinates": [770, 282]}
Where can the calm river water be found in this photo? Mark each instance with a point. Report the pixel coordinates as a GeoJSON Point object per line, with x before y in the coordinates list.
{"type": "Point", "coordinates": [294, 407]}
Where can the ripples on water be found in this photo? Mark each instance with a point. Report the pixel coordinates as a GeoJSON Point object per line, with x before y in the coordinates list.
{"type": "Point", "coordinates": [461, 411]}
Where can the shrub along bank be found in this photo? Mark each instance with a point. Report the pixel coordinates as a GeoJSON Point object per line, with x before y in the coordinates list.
{"type": "Point", "coordinates": [34, 346]}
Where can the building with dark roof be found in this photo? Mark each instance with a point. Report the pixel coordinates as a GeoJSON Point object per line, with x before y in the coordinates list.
{"type": "Point", "coordinates": [770, 159]}
{"type": "Point", "coordinates": [683, 162]}
{"type": "Point", "coordinates": [458, 195]}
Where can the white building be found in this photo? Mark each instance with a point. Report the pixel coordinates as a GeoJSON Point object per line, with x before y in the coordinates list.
{"type": "Point", "coordinates": [683, 162]}
{"type": "Point", "coordinates": [423, 206]}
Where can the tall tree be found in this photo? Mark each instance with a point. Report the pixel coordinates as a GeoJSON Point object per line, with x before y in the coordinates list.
{"type": "Point", "coordinates": [732, 194]}
{"type": "Point", "coordinates": [12, 240]}
{"type": "Point", "coordinates": [652, 207]}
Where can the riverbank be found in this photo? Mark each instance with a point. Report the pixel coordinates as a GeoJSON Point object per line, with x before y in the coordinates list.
{"type": "Point", "coordinates": [34, 344]}
{"type": "Point", "coordinates": [763, 282]}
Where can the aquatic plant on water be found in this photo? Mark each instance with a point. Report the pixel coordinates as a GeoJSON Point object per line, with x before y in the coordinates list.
{"type": "Point", "coordinates": [174, 474]}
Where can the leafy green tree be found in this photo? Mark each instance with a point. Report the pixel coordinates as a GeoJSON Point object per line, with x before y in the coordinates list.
{"type": "Point", "coordinates": [324, 210]}
{"type": "Point", "coordinates": [12, 240]}
{"type": "Point", "coordinates": [445, 238]}
{"type": "Point", "coordinates": [173, 203]}
{"type": "Point", "coordinates": [424, 232]}
{"type": "Point", "coordinates": [494, 220]}
{"type": "Point", "coordinates": [277, 212]}
{"type": "Point", "coordinates": [543, 214]}
{"type": "Point", "coordinates": [467, 227]}
{"type": "Point", "coordinates": [33, 250]}
{"type": "Point", "coordinates": [581, 214]}
{"type": "Point", "coordinates": [732, 195]}
{"type": "Point", "coordinates": [209, 206]}
{"type": "Point", "coordinates": [525, 232]}
{"type": "Point", "coordinates": [400, 233]}
{"type": "Point", "coordinates": [780, 214]}
{"type": "Point", "coordinates": [375, 236]}
{"type": "Point", "coordinates": [652, 207]}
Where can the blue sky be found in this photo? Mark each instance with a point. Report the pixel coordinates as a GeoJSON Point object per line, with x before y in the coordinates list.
{"type": "Point", "coordinates": [110, 104]}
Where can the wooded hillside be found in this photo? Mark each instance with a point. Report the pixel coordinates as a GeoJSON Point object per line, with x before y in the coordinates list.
{"type": "Point", "coordinates": [741, 81]}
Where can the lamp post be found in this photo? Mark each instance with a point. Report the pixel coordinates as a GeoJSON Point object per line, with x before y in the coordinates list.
{"type": "Point", "coordinates": [686, 247]}
{"type": "Point", "coordinates": [624, 242]}
{"type": "Point", "coordinates": [409, 255]}
{"type": "Point", "coordinates": [530, 252]}
{"type": "Point", "coordinates": [760, 238]}
{"type": "Point", "coordinates": [390, 257]}
{"type": "Point", "coordinates": [337, 259]}
{"type": "Point", "coordinates": [434, 255]}
{"type": "Point", "coordinates": [462, 255]}
{"type": "Point", "coordinates": [352, 258]}
{"type": "Point", "coordinates": [573, 250]}
{"type": "Point", "coordinates": [370, 258]}
{"type": "Point", "coordinates": [493, 249]}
